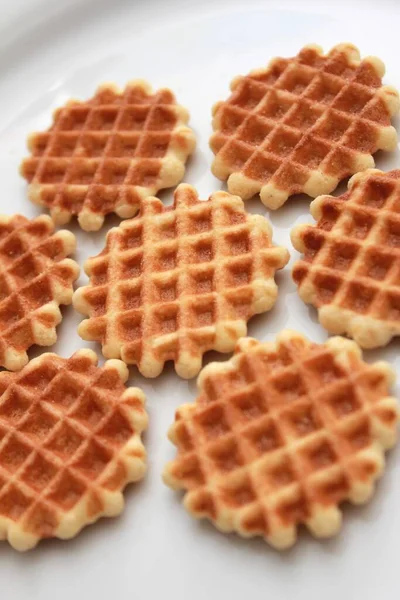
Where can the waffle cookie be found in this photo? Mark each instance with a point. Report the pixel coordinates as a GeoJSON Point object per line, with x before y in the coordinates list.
{"type": "Point", "coordinates": [302, 124]}
{"type": "Point", "coordinates": [350, 270]}
{"type": "Point", "coordinates": [178, 281]}
{"type": "Point", "coordinates": [281, 434]}
{"type": "Point", "coordinates": [69, 443]}
{"type": "Point", "coordinates": [106, 154]}
{"type": "Point", "coordinates": [35, 278]}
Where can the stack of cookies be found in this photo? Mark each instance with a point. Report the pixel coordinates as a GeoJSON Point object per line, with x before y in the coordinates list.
{"type": "Point", "coordinates": [281, 433]}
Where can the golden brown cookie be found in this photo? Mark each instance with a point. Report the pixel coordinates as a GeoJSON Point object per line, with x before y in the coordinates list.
{"type": "Point", "coordinates": [35, 278]}
{"type": "Point", "coordinates": [350, 270]}
{"type": "Point", "coordinates": [70, 440]}
{"type": "Point", "coordinates": [178, 281]}
{"type": "Point", "coordinates": [302, 124]}
{"type": "Point", "coordinates": [281, 434]}
{"type": "Point", "coordinates": [106, 154]}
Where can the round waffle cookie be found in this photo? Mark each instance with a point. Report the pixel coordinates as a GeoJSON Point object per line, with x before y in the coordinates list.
{"type": "Point", "coordinates": [281, 434]}
{"type": "Point", "coordinates": [35, 278]}
{"type": "Point", "coordinates": [106, 154]}
{"type": "Point", "coordinates": [350, 270]}
{"type": "Point", "coordinates": [69, 443]}
{"type": "Point", "coordinates": [178, 281]}
{"type": "Point", "coordinates": [302, 124]}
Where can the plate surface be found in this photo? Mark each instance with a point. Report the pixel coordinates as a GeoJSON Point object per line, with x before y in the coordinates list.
{"type": "Point", "coordinates": [52, 51]}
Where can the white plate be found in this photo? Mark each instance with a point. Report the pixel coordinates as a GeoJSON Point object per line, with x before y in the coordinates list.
{"type": "Point", "coordinates": [53, 51]}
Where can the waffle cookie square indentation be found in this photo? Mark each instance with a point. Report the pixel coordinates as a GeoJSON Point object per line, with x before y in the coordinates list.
{"type": "Point", "coordinates": [302, 124]}
{"type": "Point", "coordinates": [36, 277]}
{"type": "Point", "coordinates": [105, 155]}
{"type": "Point", "coordinates": [178, 281]}
{"type": "Point", "coordinates": [70, 441]}
{"type": "Point", "coordinates": [281, 434]}
{"type": "Point", "coordinates": [350, 268]}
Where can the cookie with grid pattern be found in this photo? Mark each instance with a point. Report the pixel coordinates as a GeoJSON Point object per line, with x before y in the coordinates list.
{"type": "Point", "coordinates": [281, 434]}
{"type": "Point", "coordinates": [35, 278]}
{"type": "Point", "coordinates": [302, 124]}
{"type": "Point", "coordinates": [106, 154]}
{"type": "Point", "coordinates": [178, 281]}
{"type": "Point", "coordinates": [350, 268]}
{"type": "Point", "coordinates": [70, 441]}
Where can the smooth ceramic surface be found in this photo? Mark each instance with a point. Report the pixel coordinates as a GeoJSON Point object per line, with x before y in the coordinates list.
{"type": "Point", "coordinates": [52, 51]}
